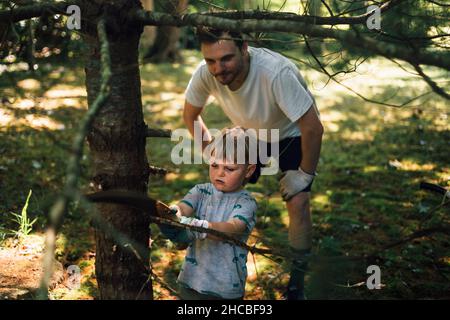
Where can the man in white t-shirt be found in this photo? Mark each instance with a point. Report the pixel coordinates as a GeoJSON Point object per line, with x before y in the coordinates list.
{"type": "Point", "coordinates": [260, 89]}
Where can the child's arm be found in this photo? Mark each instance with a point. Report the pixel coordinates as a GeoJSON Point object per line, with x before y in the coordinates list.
{"type": "Point", "coordinates": [243, 219]}
{"type": "Point", "coordinates": [233, 228]}
{"type": "Point", "coordinates": [185, 210]}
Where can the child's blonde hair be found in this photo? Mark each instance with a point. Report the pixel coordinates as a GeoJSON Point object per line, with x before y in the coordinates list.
{"type": "Point", "coordinates": [236, 144]}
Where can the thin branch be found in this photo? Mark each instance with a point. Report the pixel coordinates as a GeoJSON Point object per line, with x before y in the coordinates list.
{"type": "Point", "coordinates": [211, 4]}
{"type": "Point", "coordinates": [157, 170]}
{"type": "Point", "coordinates": [158, 133]}
{"type": "Point", "coordinates": [438, 3]}
{"type": "Point", "coordinates": [328, 8]}
{"type": "Point", "coordinates": [323, 70]}
{"type": "Point", "coordinates": [163, 283]}
{"type": "Point", "coordinates": [403, 68]}
{"type": "Point", "coordinates": [59, 209]}
{"type": "Point", "coordinates": [417, 234]}
{"type": "Point", "coordinates": [271, 15]}
{"type": "Point", "coordinates": [409, 39]}
{"type": "Point", "coordinates": [430, 82]}
{"type": "Point", "coordinates": [430, 213]}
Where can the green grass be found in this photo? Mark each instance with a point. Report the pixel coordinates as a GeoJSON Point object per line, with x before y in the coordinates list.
{"type": "Point", "coordinates": [366, 194]}
{"type": "Point", "coordinates": [24, 225]}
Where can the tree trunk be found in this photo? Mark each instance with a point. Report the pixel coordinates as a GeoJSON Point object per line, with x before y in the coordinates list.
{"type": "Point", "coordinates": [165, 47]}
{"type": "Point", "coordinates": [117, 149]}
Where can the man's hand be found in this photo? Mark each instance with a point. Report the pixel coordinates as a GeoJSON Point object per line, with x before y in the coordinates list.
{"type": "Point", "coordinates": [293, 182]}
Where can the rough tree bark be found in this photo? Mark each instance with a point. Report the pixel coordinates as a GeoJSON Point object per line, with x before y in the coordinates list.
{"type": "Point", "coordinates": [117, 146]}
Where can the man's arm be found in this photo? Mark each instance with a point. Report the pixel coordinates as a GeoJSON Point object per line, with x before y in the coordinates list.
{"type": "Point", "coordinates": [295, 181]}
{"type": "Point", "coordinates": [191, 114]}
{"type": "Point", "coordinates": [312, 131]}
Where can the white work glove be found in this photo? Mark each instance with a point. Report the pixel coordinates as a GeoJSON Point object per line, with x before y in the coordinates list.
{"type": "Point", "coordinates": [196, 223]}
{"type": "Point", "coordinates": [293, 182]}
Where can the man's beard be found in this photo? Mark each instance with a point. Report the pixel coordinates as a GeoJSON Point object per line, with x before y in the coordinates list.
{"type": "Point", "coordinates": [227, 78]}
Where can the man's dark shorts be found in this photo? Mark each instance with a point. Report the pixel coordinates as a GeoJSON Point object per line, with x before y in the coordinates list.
{"type": "Point", "coordinates": [290, 157]}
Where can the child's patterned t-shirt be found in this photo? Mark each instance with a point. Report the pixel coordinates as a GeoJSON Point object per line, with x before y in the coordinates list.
{"type": "Point", "coordinates": [214, 267]}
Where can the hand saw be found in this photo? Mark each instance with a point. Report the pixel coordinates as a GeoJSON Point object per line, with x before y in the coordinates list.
{"type": "Point", "coordinates": [133, 199]}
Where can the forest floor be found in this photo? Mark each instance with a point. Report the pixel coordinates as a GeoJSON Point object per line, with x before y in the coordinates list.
{"type": "Point", "coordinates": [366, 196]}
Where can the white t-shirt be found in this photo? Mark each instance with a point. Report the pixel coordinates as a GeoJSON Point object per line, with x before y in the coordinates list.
{"type": "Point", "coordinates": [273, 96]}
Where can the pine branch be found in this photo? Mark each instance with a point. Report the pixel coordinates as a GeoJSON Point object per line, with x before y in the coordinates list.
{"type": "Point", "coordinates": [430, 82]}
{"type": "Point", "coordinates": [317, 20]}
{"type": "Point", "coordinates": [59, 208]}
{"type": "Point", "coordinates": [258, 21]}
{"type": "Point", "coordinates": [35, 10]}
{"type": "Point", "coordinates": [347, 37]}
{"type": "Point", "coordinates": [160, 216]}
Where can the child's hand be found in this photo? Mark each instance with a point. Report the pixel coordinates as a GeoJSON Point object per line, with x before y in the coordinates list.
{"type": "Point", "coordinates": [176, 211]}
{"type": "Point", "coordinates": [196, 223]}
{"type": "Point", "coordinates": [183, 236]}
{"type": "Point", "coordinates": [168, 231]}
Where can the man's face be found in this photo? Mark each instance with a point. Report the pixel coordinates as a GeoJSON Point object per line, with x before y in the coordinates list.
{"type": "Point", "coordinates": [224, 60]}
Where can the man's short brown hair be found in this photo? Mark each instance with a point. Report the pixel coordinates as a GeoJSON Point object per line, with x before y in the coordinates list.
{"type": "Point", "coordinates": [212, 35]}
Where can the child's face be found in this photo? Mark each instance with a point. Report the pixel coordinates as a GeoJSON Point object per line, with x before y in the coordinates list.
{"type": "Point", "coordinates": [228, 176]}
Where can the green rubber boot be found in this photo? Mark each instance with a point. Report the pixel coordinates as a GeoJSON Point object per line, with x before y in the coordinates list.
{"type": "Point", "coordinates": [296, 286]}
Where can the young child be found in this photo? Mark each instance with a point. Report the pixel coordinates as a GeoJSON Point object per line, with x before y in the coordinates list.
{"type": "Point", "coordinates": [213, 269]}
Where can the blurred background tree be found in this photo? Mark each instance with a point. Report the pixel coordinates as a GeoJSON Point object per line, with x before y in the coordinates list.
{"type": "Point", "coordinates": [165, 47]}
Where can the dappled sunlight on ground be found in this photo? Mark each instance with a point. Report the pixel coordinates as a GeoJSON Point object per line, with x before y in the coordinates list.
{"type": "Point", "coordinates": [36, 106]}
{"type": "Point", "coordinates": [29, 84]}
{"type": "Point", "coordinates": [7, 118]}
{"type": "Point", "coordinates": [62, 91]}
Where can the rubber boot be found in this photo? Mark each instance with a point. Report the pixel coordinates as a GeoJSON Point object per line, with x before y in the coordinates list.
{"type": "Point", "coordinates": [296, 285]}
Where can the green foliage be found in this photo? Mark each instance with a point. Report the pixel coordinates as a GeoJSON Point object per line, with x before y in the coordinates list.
{"type": "Point", "coordinates": [23, 223]}
{"type": "Point", "coordinates": [39, 42]}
